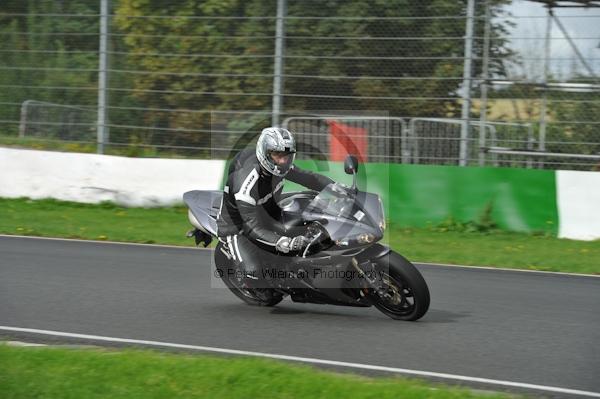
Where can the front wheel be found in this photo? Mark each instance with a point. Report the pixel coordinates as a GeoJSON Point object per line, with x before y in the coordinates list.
{"type": "Point", "coordinates": [403, 294]}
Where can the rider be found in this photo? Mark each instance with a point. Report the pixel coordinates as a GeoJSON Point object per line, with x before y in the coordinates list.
{"type": "Point", "coordinates": [249, 221]}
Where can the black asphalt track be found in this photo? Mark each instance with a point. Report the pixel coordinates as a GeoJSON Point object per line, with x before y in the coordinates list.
{"type": "Point", "coordinates": [532, 328]}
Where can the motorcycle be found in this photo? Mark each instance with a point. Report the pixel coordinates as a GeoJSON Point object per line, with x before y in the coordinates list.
{"type": "Point", "coordinates": [343, 264]}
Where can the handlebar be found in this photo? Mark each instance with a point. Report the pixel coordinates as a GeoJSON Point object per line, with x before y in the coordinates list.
{"type": "Point", "coordinates": [314, 232]}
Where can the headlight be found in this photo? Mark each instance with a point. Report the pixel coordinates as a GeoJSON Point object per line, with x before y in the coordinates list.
{"type": "Point", "coordinates": [382, 225]}
{"type": "Point", "coordinates": [361, 239]}
{"type": "Point", "coordinates": [365, 238]}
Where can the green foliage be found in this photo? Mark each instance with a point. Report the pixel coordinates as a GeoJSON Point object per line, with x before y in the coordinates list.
{"type": "Point", "coordinates": [29, 39]}
{"type": "Point", "coordinates": [572, 119]}
{"type": "Point", "coordinates": [212, 71]}
{"type": "Point", "coordinates": [484, 224]}
{"type": "Point", "coordinates": [202, 64]}
{"type": "Point", "coordinates": [573, 136]}
{"type": "Point", "coordinates": [204, 46]}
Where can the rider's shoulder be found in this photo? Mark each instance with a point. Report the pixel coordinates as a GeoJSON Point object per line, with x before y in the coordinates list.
{"type": "Point", "coordinates": [247, 175]}
{"type": "Point", "coordinates": [246, 159]}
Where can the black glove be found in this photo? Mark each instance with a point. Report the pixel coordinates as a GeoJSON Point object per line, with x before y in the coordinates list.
{"type": "Point", "coordinates": [287, 244]}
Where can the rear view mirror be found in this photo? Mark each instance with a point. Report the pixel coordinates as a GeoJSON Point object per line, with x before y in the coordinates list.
{"type": "Point", "coordinates": [351, 165]}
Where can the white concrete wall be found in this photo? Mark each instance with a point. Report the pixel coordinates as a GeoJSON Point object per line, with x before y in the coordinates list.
{"type": "Point", "coordinates": [154, 182]}
{"type": "Point", "coordinates": [578, 199]}
{"type": "Point", "coordinates": [94, 178]}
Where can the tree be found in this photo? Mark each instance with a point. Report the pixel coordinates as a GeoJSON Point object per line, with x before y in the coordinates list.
{"type": "Point", "coordinates": [41, 64]}
{"type": "Point", "coordinates": [170, 70]}
{"type": "Point", "coordinates": [204, 61]}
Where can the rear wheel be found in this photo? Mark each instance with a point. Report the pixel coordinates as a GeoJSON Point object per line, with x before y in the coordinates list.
{"type": "Point", "coordinates": [403, 294]}
{"type": "Point", "coordinates": [252, 296]}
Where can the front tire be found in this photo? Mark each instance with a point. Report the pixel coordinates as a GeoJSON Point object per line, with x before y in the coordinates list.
{"type": "Point", "coordinates": [404, 294]}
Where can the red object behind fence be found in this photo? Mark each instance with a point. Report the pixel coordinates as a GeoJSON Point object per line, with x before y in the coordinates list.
{"type": "Point", "coordinates": [344, 140]}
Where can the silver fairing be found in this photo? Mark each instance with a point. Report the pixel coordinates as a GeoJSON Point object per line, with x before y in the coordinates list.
{"type": "Point", "coordinates": [344, 215]}
{"type": "Point", "coordinates": [203, 209]}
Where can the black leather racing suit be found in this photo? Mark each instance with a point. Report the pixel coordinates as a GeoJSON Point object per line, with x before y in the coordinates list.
{"type": "Point", "coordinates": [249, 222]}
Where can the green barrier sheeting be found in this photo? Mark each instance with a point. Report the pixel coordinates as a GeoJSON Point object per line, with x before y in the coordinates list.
{"type": "Point", "coordinates": [421, 195]}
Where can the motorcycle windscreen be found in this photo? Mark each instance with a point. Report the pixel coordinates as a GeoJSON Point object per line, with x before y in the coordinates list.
{"type": "Point", "coordinates": [347, 216]}
{"type": "Point", "coordinates": [334, 200]}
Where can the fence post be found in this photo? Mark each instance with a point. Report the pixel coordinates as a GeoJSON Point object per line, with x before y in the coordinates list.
{"type": "Point", "coordinates": [404, 142]}
{"type": "Point", "coordinates": [483, 103]}
{"type": "Point", "coordinates": [23, 121]}
{"type": "Point", "coordinates": [466, 92]}
{"type": "Point", "coordinates": [278, 62]}
{"type": "Point", "coordinates": [102, 129]}
{"type": "Point", "coordinates": [543, 110]}
{"type": "Point", "coordinates": [530, 141]}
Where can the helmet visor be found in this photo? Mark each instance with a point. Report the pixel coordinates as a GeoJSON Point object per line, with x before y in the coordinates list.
{"type": "Point", "coordinates": [282, 160]}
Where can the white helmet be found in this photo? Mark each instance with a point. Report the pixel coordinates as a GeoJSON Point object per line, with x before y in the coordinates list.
{"type": "Point", "coordinates": [279, 143]}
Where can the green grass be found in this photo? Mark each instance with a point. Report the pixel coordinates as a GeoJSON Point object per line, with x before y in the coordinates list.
{"type": "Point", "coordinates": [168, 226]}
{"type": "Point", "coordinates": [42, 144]}
{"type": "Point", "coordinates": [86, 373]}
{"type": "Point", "coordinates": [106, 221]}
{"type": "Point", "coordinates": [499, 249]}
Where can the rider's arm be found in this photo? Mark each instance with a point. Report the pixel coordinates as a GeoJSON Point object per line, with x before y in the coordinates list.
{"type": "Point", "coordinates": [256, 222]}
{"type": "Point", "coordinates": [308, 179]}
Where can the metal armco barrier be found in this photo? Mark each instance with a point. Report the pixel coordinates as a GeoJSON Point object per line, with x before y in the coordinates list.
{"type": "Point", "coordinates": [387, 140]}
{"type": "Point", "coordinates": [437, 141]}
{"type": "Point", "coordinates": [518, 136]}
{"type": "Point", "coordinates": [434, 141]}
{"type": "Point", "coordinates": [429, 141]}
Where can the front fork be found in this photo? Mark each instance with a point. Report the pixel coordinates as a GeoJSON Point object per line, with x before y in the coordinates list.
{"type": "Point", "coordinates": [371, 275]}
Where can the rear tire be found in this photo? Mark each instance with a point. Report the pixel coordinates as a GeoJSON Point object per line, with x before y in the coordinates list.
{"type": "Point", "coordinates": [404, 295]}
{"type": "Point", "coordinates": [254, 297]}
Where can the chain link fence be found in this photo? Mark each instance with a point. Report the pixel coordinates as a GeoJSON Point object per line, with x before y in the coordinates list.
{"type": "Point", "coordinates": [185, 80]}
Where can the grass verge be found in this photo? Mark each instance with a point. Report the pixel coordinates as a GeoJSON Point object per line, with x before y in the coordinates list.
{"type": "Point", "coordinates": [107, 221]}
{"type": "Point", "coordinates": [132, 149]}
{"type": "Point", "coordinates": [87, 373]}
